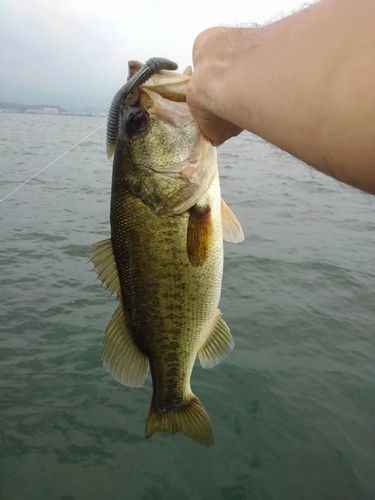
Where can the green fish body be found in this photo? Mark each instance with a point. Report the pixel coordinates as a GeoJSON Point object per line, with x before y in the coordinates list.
{"type": "Point", "coordinates": [164, 259]}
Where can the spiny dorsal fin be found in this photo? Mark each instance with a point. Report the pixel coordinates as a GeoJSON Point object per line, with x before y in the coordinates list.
{"type": "Point", "coordinates": [121, 357]}
{"type": "Point", "coordinates": [190, 419]}
{"type": "Point", "coordinates": [218, 344]}
{"type": "Point", "coordinates": [199, 234]}
{"type": "Point", "coordinates": [105, 266]}
{"type": "Point", "coordinates": [232, 230]}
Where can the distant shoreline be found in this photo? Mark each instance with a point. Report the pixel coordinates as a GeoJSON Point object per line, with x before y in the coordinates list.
{"type": "Point", "coordinates": [47, 109]}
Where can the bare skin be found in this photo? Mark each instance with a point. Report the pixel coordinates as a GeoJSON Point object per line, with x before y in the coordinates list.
{"type": "Point", "coordinates": [305, 83]}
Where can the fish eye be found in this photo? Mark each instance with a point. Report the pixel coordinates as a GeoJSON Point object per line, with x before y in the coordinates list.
{"type": "Point", "coordinates": [137, 120]}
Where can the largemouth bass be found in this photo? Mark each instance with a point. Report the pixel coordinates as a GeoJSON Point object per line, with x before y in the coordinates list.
{"type": "Point", "coordinates": [164, 259]}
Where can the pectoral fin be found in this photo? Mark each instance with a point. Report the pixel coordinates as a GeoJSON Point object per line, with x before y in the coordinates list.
{"type": "Point", "coordinates": [218, 344]}
{"type": "Point", "coordinates": [232, 230]}
{"type": "Point", "coordinates": [105, 266]}
{"type": "Point", "coordinates": [121, 357]}
{"type": "Point", "coordinates": [199, 234]}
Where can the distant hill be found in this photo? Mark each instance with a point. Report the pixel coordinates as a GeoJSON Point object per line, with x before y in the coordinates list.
{"type": "Point", "coordinates": [21, 108]}
{"type": "Point", "coordinates": [12, 92]}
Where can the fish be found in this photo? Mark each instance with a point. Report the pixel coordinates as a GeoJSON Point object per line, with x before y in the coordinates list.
{"type": "Point", "coordinates": [164, 259]}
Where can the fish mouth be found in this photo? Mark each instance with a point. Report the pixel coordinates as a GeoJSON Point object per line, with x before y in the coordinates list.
{"type": "Point", "coordinates": [168, 111]}
{"type": "Point", "coordinates": [153, 65]}
{"type": "Point", "coordinates": [196, 183]}
{"type": "Point", "coordinates": [185, 168]}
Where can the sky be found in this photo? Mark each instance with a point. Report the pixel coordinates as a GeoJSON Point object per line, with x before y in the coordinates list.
{"type": "Point", "coordinates": [82, 46]}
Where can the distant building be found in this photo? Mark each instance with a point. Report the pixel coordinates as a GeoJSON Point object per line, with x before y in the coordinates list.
{"type": "Point", "coordinates": [45, 111]}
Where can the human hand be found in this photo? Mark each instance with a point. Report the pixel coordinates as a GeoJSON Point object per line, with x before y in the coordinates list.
{"type": "Point", "coordinates": [207, 87]}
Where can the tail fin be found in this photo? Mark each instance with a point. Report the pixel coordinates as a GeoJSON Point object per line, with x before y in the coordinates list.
{"type": "Point", "coordinates": [190, 419]}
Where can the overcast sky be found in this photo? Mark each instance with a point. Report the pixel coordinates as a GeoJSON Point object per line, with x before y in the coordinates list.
{"type": "Point", "coordinates": [82, 46]}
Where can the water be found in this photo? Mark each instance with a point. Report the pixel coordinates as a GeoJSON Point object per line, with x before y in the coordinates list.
{"type": "Point", "coordinates": [292, 407]}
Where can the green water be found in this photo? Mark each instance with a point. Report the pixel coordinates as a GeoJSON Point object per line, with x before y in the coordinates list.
{"type": "Point", "coordinates": [292, 407]}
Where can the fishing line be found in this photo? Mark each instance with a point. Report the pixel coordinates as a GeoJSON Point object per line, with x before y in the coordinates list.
{"type": "Point", "coordinates": [52, 162]}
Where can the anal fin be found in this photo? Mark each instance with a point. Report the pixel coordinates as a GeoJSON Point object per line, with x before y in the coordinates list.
{"type": "Point", "coordinates": [218, 344]}
{"type": "Point", "coordinates": [120, 355]}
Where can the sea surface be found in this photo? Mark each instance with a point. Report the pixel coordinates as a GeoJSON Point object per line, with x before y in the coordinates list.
{"type": "Point", "coordinates": [292, 407]}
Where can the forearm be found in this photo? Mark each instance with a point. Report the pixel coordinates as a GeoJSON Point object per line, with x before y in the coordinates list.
{"type": "Point", "coordinates": [306, 84]}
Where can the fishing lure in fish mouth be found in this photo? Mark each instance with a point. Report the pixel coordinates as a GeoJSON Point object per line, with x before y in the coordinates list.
{"type": "Point", "coordinates": [152, 66]}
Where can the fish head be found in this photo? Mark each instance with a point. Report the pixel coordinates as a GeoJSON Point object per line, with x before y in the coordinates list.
{"type": "Point", "coordinates": [161, 155]}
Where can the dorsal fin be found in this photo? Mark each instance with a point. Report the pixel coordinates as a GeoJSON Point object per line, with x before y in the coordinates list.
{"type": "Point", "coordinates": [105, 266]}
{"type": "Point", "coordinates": [121, 357]}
